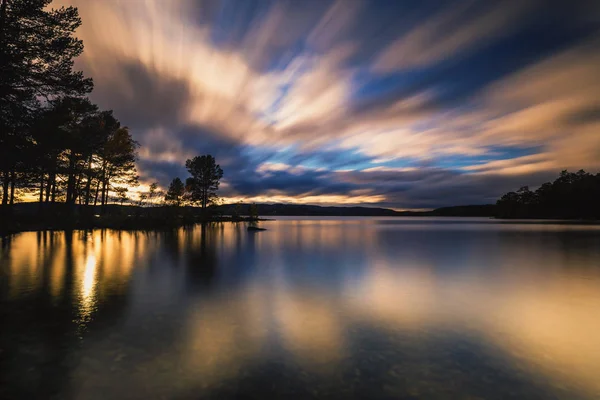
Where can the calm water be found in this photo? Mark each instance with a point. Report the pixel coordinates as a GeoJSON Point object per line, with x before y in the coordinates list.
{"type": "Point", "coordinates": [312, 308]}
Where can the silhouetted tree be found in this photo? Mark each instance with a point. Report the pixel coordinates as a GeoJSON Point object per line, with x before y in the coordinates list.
{"type": "Point", "coordinates": [237, 211]}
{"type": "Point", "coordinates": [253, 214]}
{"type": "Point", "coordinates": [76, 143]}
{"type": "Point", "coordinates": [118, 162]}
{"type": "Point", "coordinates": [204, 182]}
{"type": "Point", "coordinates": [142, 198]}
{"type": "Point", "coordinates": [96, 130]}
{"type": "Point", "coordinates": [152, 192]}
{"type": "Point", "coordinates": [175, 192]}
{"type": "Point", "coordinates": [571, 195]}
{"type": "Point", "coordinates": [37, 49]}
{"type": "Point", "coordinates": [121, 192]}
{"type": "Point", "coordinates": [253, 211]}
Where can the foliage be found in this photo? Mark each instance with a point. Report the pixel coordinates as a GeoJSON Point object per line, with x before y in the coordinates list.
{"type": "Point", "coordinates": [253, 211]}
{"type": "Point", "coordinates": [204, 181]}
{"type": "Point", "coordinates": [121, 192]}
{"type": "Point", "coordinates": [53, 141]}
{"type": "Point", "coordinates": [142, 198]}
{"type": "Point", "coordinates": [571, 195]}
{"type": "Point", "coordinates": [118, 160]}
{"type": "Point", "coordinates": [79, 153]}
{"type": "Point", "coordinates": [152, 191]}
{"type": "Point", "coordinates": [37, 49]}
{"type": "Point", "coordinates": [175, 192]}
{"type": "Point", "coordinates": [237, 211]}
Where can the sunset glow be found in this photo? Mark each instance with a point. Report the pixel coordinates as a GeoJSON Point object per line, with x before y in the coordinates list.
{"type": "Point", "coordinates": [412, 107]}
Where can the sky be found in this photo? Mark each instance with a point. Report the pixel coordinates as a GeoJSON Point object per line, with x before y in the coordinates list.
{"type": "Point", "coordinates": [406, 104]}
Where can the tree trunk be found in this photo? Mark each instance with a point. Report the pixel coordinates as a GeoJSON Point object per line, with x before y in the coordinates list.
{"type": "Point", "coordinates": [41, 187]}
{"type": "Point", "coordinates": [51, 179]}
{"type": "Point", "coordinates": [103, 200]}
{"type": "Point", "coordinates": [5, 183]}
{"type": "Point", "coordinates": [104, 195]}
{"type": "Point", "coordinates": [49, 188]}
{"type": "Point", "coordinates": [12, 187]}
{"type": "Point", "coordinates": [96, 195]}
{"type": "Point", "coordinates": [71, 180]}
{"type": "Point", "coordinates": [77, 189]}
{"type": "Point", "coordinates": [88, 185]}
{"type": "Point", "coordinates": [54, 190]}
{"type": "Point", "coordinates": [103, 179]}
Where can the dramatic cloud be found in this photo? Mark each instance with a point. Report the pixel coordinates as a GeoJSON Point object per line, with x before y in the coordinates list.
{"type": "Point", "coordinates": [405, 105]}
{"type": "Point", "coordinates": [458, 28]}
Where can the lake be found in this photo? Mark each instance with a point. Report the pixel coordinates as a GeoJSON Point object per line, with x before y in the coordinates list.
{"type": "Point", "coordinates": [348, 308]}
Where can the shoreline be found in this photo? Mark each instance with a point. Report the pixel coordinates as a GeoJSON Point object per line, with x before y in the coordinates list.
{"type": "Point", "coordinates": [129, 224]}
{"type": "Point", "coordinates": [151, 219]}
{"type": "Point", "coordinates": [138, 223]}
{"type": "Point", "coordinates": [34, 217]}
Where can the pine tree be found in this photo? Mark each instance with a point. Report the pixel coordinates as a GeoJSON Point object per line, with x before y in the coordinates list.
{"type": "Point", "coordinates": [37, 49]}
{"type": "Point", "coordinates": [204, 182]}
{"type": "Point", "coordinates": [175, 192]}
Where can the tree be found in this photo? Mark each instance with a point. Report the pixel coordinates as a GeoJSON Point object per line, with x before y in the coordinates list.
{"type": "Point", "coordinates": [37, 49]}
{"type": "Point", "coordinates": [175, 192]}
{"type": "Point", "coordinates": [95, 132]}
{"type": "Point", "coordinates": [571, 195]}
{"type": "Point", "coordinates": [152, 192]}
{"type": "Point", "coordinates": [204, 182]}
{"type": "Point", "coordinates": [118, 162]}
{"type": "Point", "coordinates": [237, 211]}
{"type": "Point", "coordinates": [67, 154]}
{"type": "Point", "coordinates": [142, 198]}
{"type": "Point", "coordinates": [253, 214]}
{"type": "Point", "coordinates": [121, 192]}
{"type": "Point", "coordinates": [253, 211]}
{"type": "Point", "coordinates": [78, 147]}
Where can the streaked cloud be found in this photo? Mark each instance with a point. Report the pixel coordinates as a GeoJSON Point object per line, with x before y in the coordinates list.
{"type": "Point", "coordinates": [329, 98]}
{"type": "Point", "coordinates": [456, 28]}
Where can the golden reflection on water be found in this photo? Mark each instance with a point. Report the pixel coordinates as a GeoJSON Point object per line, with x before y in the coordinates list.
{"type": "Point", "coordinates": [550, 327]}
{"type": "Point", "coordinates": [539, 312]}
{"type": "Point", "coordinates": [92, 263]}
{"type": "Point", "coordinates": [312, 332]}
{"type": "Point", "coordinates": [538, 307]}
{"type": "Point", "coordinates": [549, 324]}
{"type": "Point", "coordinates": [88, 284]}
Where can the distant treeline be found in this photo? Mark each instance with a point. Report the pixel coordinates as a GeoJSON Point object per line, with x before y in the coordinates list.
{"type": "Point", "coordinates": [570, 196]}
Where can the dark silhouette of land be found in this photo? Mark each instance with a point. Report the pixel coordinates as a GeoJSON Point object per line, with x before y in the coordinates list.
{"type": "Point", "coordinates": [273, 210]}
{"type": "Point", "coordinates": [570, 196]}
{"type": "Point", "coordinates": [61, 216]}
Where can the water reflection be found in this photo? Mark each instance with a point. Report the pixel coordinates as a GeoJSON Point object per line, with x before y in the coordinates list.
{"type": "Point", "coordinates": [88, 296]}
{"type": "Point", "coordinates": [351, 308]}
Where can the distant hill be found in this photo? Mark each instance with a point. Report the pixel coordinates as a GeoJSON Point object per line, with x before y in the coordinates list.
{"type": "Point", "coordinates": [486, 210]}
{"type": "Point", "coordinates": [273, 210]}
{"type": "Point", "coordinates": [309, 210]}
